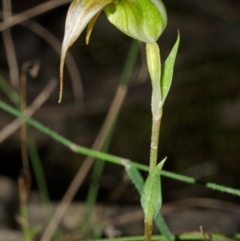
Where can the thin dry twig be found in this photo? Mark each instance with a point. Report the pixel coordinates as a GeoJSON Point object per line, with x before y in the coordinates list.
{"type": "Point", "coordinates": [87, 164]}
{"type": "Point", "coordinates": [33, 12]}
{"type": "Point", "coordinates": [28, 68]}
{"type": "Point", "coordinates": [9, 45]}
{"type": "Point", "coordinates": [119, 188]}
{"type": "Point", "coordinates": [23, 194]}
{"type": "Point", "coordinates": [30, 110]}
{"type": "Point", "coordinates": [203, 233]}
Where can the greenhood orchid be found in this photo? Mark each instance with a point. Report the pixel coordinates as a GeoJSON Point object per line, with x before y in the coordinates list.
{"type": "Point", "coordinates": [143, 20]}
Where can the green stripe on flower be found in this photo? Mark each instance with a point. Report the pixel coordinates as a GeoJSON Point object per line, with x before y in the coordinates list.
{"type": "Point", "coordinates": [144, 20]}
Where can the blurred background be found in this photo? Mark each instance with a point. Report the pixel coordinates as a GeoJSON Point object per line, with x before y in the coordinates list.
{"type": "Point", "coordinates": [200, 132]}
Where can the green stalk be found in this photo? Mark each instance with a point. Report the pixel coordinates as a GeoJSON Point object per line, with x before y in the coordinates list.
{"type": "Point", "coordinates": [151, 196]}
{"type": "Point", "coordinates": [154, 68]}
{"type": "Point", "coordinates": [156, 123]}
{"type": "Point", "coordinates": [108, 157]}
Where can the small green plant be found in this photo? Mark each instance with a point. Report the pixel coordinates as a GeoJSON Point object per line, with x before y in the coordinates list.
{"type": "Point", "coordinates": [145, 21]}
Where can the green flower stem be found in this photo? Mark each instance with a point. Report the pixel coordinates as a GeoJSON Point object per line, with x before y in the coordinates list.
{"type": "Point", "coordinates": [151, 197]}
{"type": "Point", "coordinates": [148, 227]}
{"type": "Point", "coordinates": [154, 67]}
{"type": "Point", "coordinates": [156, 123]}
{"type": "Point", "coordinates": [148, 220]}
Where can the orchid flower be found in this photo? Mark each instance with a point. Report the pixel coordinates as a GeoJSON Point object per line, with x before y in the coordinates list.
{"type": "Point", "coordinates": [144, 20]}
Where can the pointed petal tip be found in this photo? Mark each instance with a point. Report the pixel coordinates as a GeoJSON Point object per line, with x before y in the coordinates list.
{"type": "Point", "coordinates": [60, 91]}
{"type": "Point", "coordinates": [62, 60]}
{"type": "Point", "coordinates": [60, 98]}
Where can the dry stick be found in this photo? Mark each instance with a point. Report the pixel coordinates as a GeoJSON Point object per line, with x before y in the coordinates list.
{"type": "Point", "coordinates": [36, 104]}
{"type": "Point", "coordinates": [9, 46]}
{"type": "Point", "coordinates": [87, 164]}
{"type": "Point", "coordinates": [23, 218]}
{"type": "Point", "coordinates": [119, 189]}
{"type": "Point", "coordinates": [203, 233]}
{"type": "Point", "coordinates": [33, 12]}
{"type": "Point", "coordinates": [23, 131]}
{"type": "Point", "coordinates": [28, 68]}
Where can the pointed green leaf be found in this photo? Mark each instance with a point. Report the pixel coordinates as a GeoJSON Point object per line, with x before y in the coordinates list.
{"type": "Point", "coordinates": [151, 197]}
{"type": "Point", "coordinates": [166, 79]}
{"type": "Point", "coordinates": [79, 15]}
{"type": "Point", "coordinates": [137, 180]}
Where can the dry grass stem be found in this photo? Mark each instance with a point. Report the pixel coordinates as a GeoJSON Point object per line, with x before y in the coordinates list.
{"type": "Point", "coordinates": [9, 46]}
{"type": "Point", "coordinates": [87, 164]}
{"type": "Point", "coordinates": [33, 12]}
{"type": "Point", "coordinates": [119, 188]}
{"type": "Point", "coordinates": [29, 68]}
{"type": "Point", "coordinates": [23, 193]}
